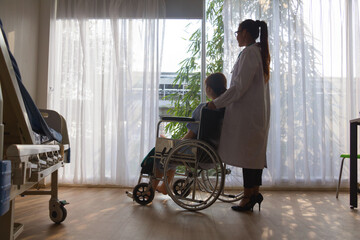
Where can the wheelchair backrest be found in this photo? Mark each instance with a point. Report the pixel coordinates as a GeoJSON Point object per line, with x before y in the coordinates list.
{"type": "Point", "coordinates": [211, 125]}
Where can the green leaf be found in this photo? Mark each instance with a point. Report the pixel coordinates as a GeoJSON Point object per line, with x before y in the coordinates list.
{"type": "Point", "coordinates": [189, 73]}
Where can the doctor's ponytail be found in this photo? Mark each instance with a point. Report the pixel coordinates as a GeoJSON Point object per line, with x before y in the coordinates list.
{"type": "Point", "coordinates": [264, 44]}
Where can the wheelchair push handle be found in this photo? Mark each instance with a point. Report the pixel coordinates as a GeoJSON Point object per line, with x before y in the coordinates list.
{"type": "Point", "coordinates": [177, 119]}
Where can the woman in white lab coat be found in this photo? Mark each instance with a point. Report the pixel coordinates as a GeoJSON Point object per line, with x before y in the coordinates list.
{"type": "Point", "coordinates": [246, 123]}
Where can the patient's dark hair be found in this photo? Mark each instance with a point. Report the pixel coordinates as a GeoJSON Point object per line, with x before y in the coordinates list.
{"type": "Point", "coordinates": [217, 82]}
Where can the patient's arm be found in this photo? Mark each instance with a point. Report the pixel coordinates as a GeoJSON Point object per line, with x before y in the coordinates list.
{"type": "Point", "coordinates": [189, 135]}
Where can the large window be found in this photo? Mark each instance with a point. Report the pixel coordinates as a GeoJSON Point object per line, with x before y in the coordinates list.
{"type": "Point", "coordinates": [109, 65]}
{"type": "Point", "coordinates": [314, 83]}
{"type": "Point", "coordinates": [112, 76]}
{"type": "Point", "coordinates": [203, 55]}
{"type": "Point", "coordinates": [177, 42]}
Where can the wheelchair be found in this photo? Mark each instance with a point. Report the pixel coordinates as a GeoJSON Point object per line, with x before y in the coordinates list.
{"type": "Point", "coordinates": [200, 175]}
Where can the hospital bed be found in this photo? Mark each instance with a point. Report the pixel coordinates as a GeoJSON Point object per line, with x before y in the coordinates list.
{"type": "Point", "coordinates": [31, 145]}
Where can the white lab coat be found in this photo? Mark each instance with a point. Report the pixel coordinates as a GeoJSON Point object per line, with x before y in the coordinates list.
{"type": "Point", "coordinates": [245, 129]}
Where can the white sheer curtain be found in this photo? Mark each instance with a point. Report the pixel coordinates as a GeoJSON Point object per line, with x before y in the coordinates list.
{"type": "Point", "coordinates": [315, 83]}
{"type": "Point", "coordinates": [104, 68]}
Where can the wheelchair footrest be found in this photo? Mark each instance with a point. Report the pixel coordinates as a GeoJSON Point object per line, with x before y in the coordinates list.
{"type": "Point", "coordinates": [63, 202]}
{"type": "Point", "coordinates": [129, 194]}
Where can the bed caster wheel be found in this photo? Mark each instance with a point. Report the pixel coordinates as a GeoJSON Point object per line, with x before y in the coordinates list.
{"type": "Point", "coordinates": [179, 188]}
{"type": "Point", "coordinates": [143, 194]}
{"type": "Point", "coordinates": [57, 211]}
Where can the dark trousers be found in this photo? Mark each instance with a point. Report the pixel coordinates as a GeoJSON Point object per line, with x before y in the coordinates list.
{"type": "Point", "coordinates": [252, 177]}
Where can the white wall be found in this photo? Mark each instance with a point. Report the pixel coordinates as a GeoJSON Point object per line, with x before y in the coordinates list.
{"type": "Point", "coordinates": [21, 23]}
{"type": "Point", "coordinates": [47, 10]}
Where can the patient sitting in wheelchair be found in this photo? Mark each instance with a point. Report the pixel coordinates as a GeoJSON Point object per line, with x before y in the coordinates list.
{"type": "Point", "coordinates": [215, 85]}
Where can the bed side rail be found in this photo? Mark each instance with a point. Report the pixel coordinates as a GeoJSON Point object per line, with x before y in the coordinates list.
{"type": "Point", "coordinates": [31, 163]}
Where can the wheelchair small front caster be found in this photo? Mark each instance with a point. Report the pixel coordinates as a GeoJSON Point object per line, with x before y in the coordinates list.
{"type": "Point", "coordinates": [57, 211]}
{"type": "Point", "coordinates": [143, 194]}
{"type": "Point", "coordinates": [180, 186]}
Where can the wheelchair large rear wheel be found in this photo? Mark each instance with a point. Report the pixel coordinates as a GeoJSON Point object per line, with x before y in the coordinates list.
{"type": "Point", "coordinates": [191, 158]}
{"type": "Point", "coordinates": [232, 190]}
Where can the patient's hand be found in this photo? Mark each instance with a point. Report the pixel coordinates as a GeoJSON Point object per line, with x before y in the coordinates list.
{"type": "Point", "coordinates": [189, 135]}
{"type": "Point", "coordinates": [211, 105]}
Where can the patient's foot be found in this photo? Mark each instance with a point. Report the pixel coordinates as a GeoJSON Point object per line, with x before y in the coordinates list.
{"type": "Point", "coordinates": [162, 189]}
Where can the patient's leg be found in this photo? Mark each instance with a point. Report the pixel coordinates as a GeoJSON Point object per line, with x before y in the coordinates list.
{"type": "Point", "coordinates": [170, 176]}
{"type": "Point", "coordinates": [155, 182]}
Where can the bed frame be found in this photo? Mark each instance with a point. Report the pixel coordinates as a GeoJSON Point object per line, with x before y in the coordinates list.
{"type": "Point", "coordinates": [30, 162]}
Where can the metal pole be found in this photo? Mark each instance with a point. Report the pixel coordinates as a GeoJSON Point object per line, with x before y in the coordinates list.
{"type": "Point", "coordinates": [353, 165]}
{"type": "Point", "coordinates": [1, 125]}
{"type": "Point", "coordinates": [203, 54]}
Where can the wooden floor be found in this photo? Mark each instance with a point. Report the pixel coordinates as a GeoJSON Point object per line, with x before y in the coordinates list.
{"type": "Point", "coordinates": [107, 213]}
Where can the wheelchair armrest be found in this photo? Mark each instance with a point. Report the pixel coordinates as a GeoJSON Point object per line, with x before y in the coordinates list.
{"type": "Point", "coordinates": [177, 119]}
